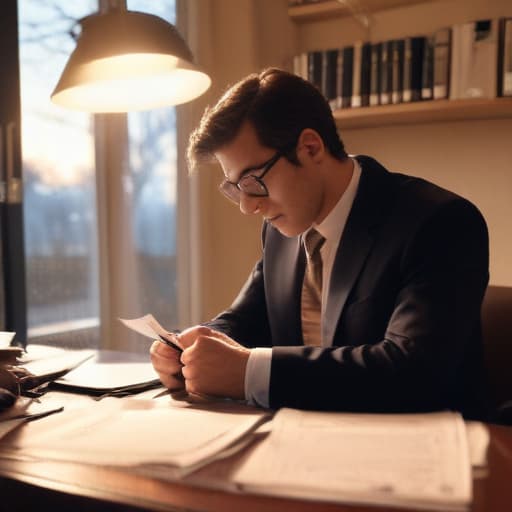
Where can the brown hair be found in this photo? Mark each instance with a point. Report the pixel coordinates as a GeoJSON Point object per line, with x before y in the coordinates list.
{"type": "Point", "coordinates": [279, 105]}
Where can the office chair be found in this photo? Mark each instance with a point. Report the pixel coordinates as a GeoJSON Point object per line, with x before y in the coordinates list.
{"type": "Point", "coordinates": [497, 335]}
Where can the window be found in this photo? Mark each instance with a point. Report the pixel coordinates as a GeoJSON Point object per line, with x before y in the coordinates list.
{"type": "Point", "coordinates": [99, 196]}
{"type": "Point", "coordinates": [58, 163]}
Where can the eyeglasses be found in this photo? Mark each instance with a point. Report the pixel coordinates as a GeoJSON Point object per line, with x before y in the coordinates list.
{"type": "Point", "coordinates": [249, 184]}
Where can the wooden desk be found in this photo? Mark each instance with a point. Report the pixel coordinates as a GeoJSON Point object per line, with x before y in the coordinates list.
{"type": "Point", "coordinates": [27, 485]}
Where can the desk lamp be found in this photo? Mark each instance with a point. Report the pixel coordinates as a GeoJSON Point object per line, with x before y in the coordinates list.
{"type": "Point", "coordinates": [126, 60]}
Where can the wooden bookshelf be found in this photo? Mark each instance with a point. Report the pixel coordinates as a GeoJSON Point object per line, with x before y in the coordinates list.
{"type": "Point", "coordinates": [423, 112]}
{"type": "Point", "coordinates": [334, 8]}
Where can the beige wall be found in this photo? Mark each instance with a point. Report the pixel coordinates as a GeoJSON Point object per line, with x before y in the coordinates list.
{"type": "Point", "coordinates": [473, 158]}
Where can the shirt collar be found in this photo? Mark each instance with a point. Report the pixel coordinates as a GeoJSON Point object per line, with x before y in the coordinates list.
{"type": "Point", "coordinates": [329, 228]}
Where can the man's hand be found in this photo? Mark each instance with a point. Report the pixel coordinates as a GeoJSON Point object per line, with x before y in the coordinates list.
{"type": "Point", "coordinates": [167, 364]}
{"type": "Point", "coordinates": [213, 363]}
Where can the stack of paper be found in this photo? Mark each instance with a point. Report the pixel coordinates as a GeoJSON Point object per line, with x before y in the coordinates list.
{"type": "Point", "coordinates": [418, 461]}
{"type": "Point", "coordinates": [133, 433]}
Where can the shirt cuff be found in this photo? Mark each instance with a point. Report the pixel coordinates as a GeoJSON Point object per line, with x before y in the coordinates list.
{"type": "Point", "coordinates": [257, 377]}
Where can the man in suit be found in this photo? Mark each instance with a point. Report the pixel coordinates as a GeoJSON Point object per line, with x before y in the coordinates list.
{"type": "Point", "coordinates": [383, 315]}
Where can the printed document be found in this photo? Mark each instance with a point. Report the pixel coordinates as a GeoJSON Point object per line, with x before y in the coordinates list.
{"type": "Point", "coordinates": [413, 460]}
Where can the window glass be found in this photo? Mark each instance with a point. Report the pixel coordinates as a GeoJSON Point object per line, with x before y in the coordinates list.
{"type": "Point", "coordinates": [59, 181]}
{"type": "Point", "coordinates": [152, 155]}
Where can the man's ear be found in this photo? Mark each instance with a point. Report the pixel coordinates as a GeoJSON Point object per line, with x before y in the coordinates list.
{"type": "Point", "coordinates": [311, 142]}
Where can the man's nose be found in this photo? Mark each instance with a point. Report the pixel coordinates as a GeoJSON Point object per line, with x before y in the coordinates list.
{"type": "Point", "coordinates": [249, 204]}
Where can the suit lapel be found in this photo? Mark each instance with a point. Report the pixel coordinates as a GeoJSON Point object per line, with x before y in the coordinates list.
{"type": "Point", "coordinates": [356, 242]}
{"type": "Point", "coordinates": [284, 272]}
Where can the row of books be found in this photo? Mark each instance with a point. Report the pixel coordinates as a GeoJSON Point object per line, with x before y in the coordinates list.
{"type": "Point", "coordinates": [468, 60]}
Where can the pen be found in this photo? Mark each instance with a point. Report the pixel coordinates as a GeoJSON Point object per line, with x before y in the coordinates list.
{"type": "Point", "coordinates": [170, 342]}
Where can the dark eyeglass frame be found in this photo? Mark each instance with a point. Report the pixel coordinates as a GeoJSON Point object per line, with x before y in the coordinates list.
{"type": "Point", "coordinates": [232, 189]}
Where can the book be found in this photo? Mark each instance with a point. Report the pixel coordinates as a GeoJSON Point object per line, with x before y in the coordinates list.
{"type": "Point", "coordinates": [414, 49]}
{"type": "Point", "coordinates": [427, 82]}
{"type": "Point", "coordinates": [375, 73]}
{"type": "Point", "coordinates": [366, 70]}
{"type": "Point", "coordinates": [397, 70]}
{"type": "Point", "coordinates": [315, 68]}
{"type": "Point", "coordinates": [441, 44]}
{"type": "Point", "coordinates": [474, 63]}
{"type": "Point", "coordinates": [401, 460]}
{"type": "Point", "coordinates": [505, 58]}
{"type": "Point", "coordinates": [339, 79]}
{"type": "Point", "coordinates": [386, 74]}
{"type": "Point", "coordinates": [356, 75]}
{"type": "Point", "coordinates": [329, 76]}
{"type": "Point", "coordinates": [346, 79]}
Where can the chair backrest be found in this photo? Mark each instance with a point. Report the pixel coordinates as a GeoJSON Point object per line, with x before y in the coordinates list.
{"type": "Point", "coordinates": [497, 335]}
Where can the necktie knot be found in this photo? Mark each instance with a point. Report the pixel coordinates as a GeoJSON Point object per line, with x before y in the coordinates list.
{"type": "Point", "coordinates": [313, 242]}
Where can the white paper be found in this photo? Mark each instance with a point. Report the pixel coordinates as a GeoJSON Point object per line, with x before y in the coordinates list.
{"type": "Point", "coordinates": [6, 338]}
{"type": "Point", "coordinates": [137, 432]}
{"type": "Point", "coordinates": [97, 375]}
{"type": "Point", "coordinates": [146, 325]}
{"type": "Point", "coordinates": [58, 361]}
{"type": "Point", "coordinates": [22, 411]}
{"type": "Point", "coordinates": [478, 443]}
{"type": "Point", "coordinates": [406, 460]}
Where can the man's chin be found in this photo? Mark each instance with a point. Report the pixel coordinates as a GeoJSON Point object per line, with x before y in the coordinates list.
{"type": "Point", "coordinates": [289, 231]}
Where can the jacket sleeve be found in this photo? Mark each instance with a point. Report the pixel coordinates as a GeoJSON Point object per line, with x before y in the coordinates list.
{"type": "Point", "coordinates": [431, 344]}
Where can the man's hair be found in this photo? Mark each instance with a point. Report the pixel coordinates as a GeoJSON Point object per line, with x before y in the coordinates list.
{"type": "Point", "coordinates": [278, 104]}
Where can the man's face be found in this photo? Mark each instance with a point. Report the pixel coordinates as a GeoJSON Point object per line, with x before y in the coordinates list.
{"type": "Point", "coordinates": [295, 197]}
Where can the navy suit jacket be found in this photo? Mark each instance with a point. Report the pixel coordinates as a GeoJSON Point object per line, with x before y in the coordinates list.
{"type": "Point", "coordinates": [403, 307]}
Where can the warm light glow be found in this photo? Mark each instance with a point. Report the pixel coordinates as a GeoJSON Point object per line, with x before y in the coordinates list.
{"type": "Point", "coordinates": [114, 84]}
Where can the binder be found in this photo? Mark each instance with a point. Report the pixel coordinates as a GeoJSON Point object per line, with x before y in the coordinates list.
{"type": "Point", "coordinates": [474, 63]}
{"type": "Point", "coordinates": [414, 50]}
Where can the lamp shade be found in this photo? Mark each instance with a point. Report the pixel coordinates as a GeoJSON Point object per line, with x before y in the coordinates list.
{"type": "Point", "coordinates": [127, 60]}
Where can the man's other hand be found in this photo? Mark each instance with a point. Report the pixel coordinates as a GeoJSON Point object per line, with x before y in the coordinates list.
{"type": "Point", "coordinates": [213, 363]}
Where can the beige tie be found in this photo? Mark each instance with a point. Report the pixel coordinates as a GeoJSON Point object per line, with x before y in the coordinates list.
{"type": "Point", "coordinates": [311, 307]}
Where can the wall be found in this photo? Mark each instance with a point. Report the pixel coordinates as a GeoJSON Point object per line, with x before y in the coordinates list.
{"type": "Point", "coordinates": [472, 158]}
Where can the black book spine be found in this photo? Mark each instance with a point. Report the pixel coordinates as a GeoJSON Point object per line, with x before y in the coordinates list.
{"type": "Point", "coordinates": [386, 72]}
{"type": "Point", "coordinates": [441, 63]}
{"type": "Point", "coordinates": [366, 69]}
{"type": "Point", "coordinates": [413, 68]}
{"type": "Point", "coordinates": [397, 70]}
{"type": "Point", "coordinates": [330, 60]}
{"type": "Point", "coordinates": [315, 69]}
{"type": "Point", "coordinates": [348, 66]}
{"type": "Point", "coordinates": [375, 74]}
{"type": "Point", "coordinates": [427, 88]}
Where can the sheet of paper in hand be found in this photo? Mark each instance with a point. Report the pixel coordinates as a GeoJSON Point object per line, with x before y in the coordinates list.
{"type": "Point", "coordinates": [148, 326]}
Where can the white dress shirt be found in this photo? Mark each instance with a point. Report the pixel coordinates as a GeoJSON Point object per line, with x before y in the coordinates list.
{"type": "Point", "coordinates": [257, 373]}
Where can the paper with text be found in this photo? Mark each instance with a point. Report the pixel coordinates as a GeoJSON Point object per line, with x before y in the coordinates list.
{"type": "Point", "coordinates": [416, 460]}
